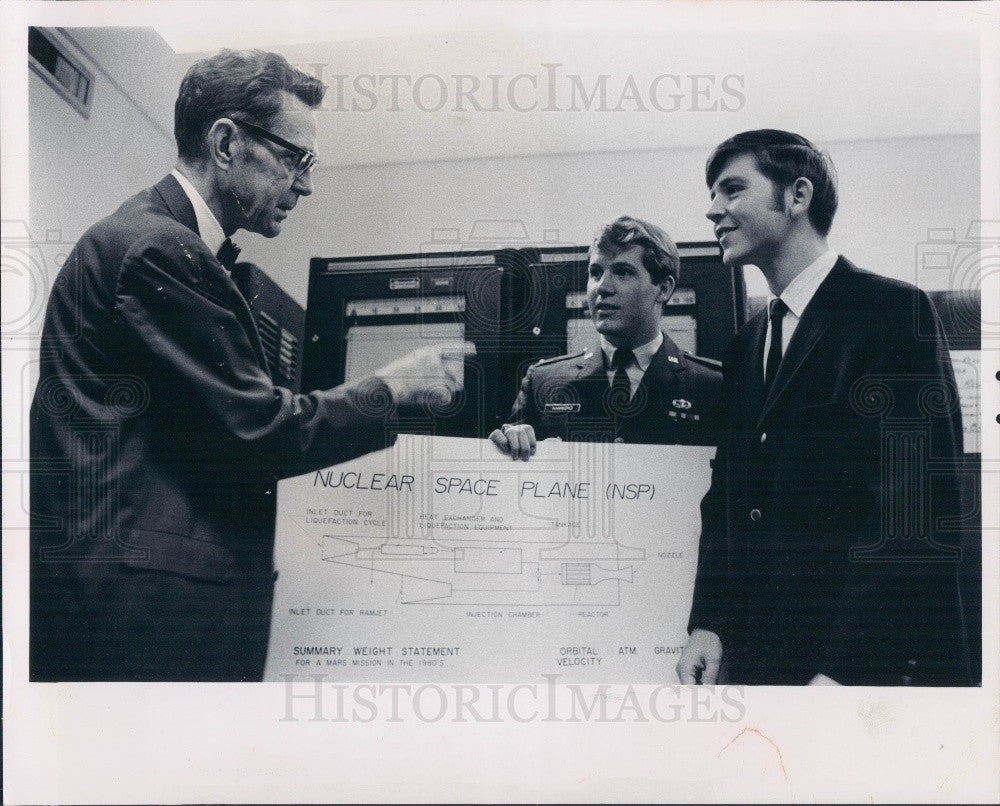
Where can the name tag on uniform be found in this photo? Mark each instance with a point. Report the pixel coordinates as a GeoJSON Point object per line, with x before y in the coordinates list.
{"type": "Point", "coordinates": [562, 408]}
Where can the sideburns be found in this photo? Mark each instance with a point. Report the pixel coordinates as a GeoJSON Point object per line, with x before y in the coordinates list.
{"type": "Point", "coordinates": [778, 197]}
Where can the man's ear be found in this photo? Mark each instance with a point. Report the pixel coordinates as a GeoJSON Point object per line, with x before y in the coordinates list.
{"type": "Point", "coordinates": [799, 195]}
{"type": "Point", "coordinates": [667, 286]}
{"type": "Point", "coordinates": [221, 143]}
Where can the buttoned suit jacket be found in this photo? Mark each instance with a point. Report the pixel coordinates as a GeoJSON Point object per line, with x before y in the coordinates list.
{"type": "Point", "coordinates": [678, 400]}
{"type": "Point", "coordinates": [156, 439]}
{"type": "Point", "coordinates": [826, 544]}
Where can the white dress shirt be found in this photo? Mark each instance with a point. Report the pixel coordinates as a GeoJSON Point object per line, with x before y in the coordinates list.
{"type": "Point", "coordinates": [797, 296]}
{"type": "Point", "coordinates": [636, 369]}
{"type": "Point", "coordinates": [209, 227]}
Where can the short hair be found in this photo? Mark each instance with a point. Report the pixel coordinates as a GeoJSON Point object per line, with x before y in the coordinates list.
{"type": "Point", "coordinates": [783, 157]}
{"type": "Point", "coordinates": [246, 85]}
{"type": "Point", "coordinates": [659, 252]}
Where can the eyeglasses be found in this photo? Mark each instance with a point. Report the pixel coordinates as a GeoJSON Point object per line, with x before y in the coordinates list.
{"type": "Point", "coordinates": [306, 159]}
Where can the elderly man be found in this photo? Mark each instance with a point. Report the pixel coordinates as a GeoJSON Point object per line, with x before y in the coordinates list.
{"type": "Point", "coordinates": [156, 432]}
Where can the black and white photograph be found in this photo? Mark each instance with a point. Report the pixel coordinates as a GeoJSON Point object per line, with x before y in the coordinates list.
{"type": "Point", "coordinates": [500, 401]}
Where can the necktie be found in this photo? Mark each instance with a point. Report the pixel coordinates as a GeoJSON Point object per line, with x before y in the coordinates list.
{"type": "Point", "coordinates": [776, 314]}
{"type": "Point", "coordinates": [621, 387]}
{"type": "Point", "coordinates": [227, 254]}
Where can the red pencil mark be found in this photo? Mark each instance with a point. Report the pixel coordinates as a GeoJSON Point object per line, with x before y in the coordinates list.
{"type": "Point", "coordinates": [766, 738]}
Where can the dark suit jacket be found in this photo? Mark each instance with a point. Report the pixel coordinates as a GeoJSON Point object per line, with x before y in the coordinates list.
{"type": "Point", "coordinates": [677, 402]}
{"type": "Point", "coordinates": [156, 438]}
{"type": "Point", "coordinates": [826, 546]}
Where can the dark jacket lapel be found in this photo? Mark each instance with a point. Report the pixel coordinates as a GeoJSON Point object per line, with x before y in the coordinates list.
{"type": "Point", "coordinates": [816, 319]}
{"type": "Point", "coordinates": [662, 372]}
{"type": "Point", "coordinates": [752, 391]}
{"type": "Point", "coordinates": [179, 206]}
{"type": "Point", "coordinates": [591, 363]}
{"type": "Point", "coordinates": [591, 380]}
{"type": "Point", "coordinates": [177, 202]}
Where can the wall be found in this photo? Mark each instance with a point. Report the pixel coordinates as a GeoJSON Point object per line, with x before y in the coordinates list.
{"type": "Point", "coordinates": [81, 168]}
{"type": "Point", "coordinates": [892, 191]}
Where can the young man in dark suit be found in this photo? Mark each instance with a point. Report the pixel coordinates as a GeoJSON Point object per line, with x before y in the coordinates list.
{"type": "Point", "coordinates": [826, 555]}
{"type": "Point", "coordinates": [156, 432]}
{"type": "Point", "coordinates": [634, 384]}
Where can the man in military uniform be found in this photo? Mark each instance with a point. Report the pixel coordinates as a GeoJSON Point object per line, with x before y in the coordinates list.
{"type": "Point", "coordinates": [634, 384]}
